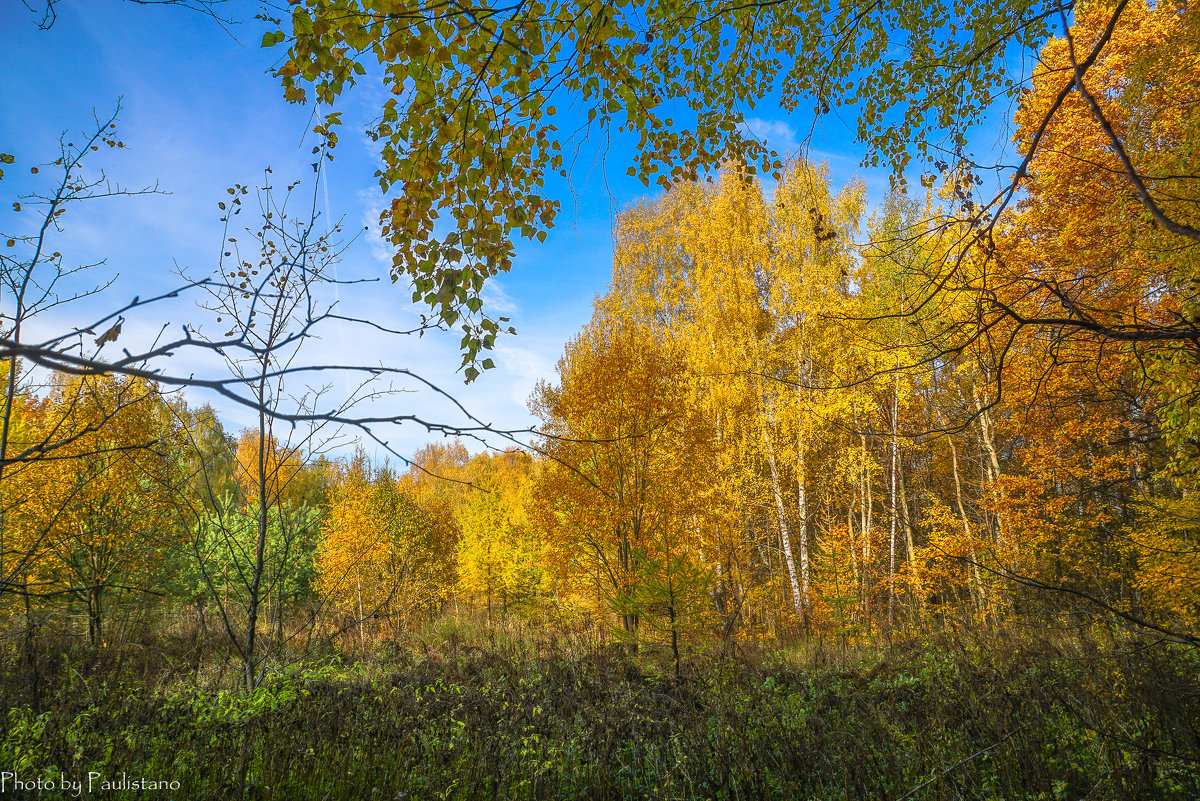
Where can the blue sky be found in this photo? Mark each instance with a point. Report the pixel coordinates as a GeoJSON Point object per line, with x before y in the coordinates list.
{"type": "Point", "coordinates": [199, 113]}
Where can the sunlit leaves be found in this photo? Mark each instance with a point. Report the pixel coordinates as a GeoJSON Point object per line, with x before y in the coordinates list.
{"type": "Point", "coordinates": [469, 131]}
{"type": "Point", "coordinates": [99, 513]}
{"type": "Point", "coordinates": [374, 556]}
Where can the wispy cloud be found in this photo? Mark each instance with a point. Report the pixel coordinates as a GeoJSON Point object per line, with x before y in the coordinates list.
{"type": "Point", "coordinates": [776, 134]}
{"type": "Point", "coordinates": [372, 208]}
{"type": "Point", "coordinates": [495, 299]}
{"type": "Point", "coordinates": [524, 368]}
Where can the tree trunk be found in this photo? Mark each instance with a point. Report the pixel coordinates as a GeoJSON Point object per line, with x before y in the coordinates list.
{"type": "Point", "coordinates": [260, 551]}
{"type": "Point", "coordinates": [362, 634]}
{"type": "Point", "coordinates": [674, 635]}
{"type": "Point", "coordinates": [962, 513]}
{"type": "Point", "coordinates": [802, 523]}
{"type": "Point", "coordinates": [866, 504]}
{"type": "Point", "coordinates": [853, 545]}
{"type": "Point", "coordinates": [992, 464]}
{"type": "Point", "coordinates": [785, 538]}
{"type": "Point", "coordinates": [202, 619]}
{"type": "Point", "coordinates": [629, 617]}
{"type": "Point", "coordinates": [892, 523]}
{"type": "Point", "coordinates": [909, 545]}
{"type": "Point", "coordinates": [802, 491]}
{"type": "Point", "coordinates": [279, 606]}
{"type": "Point", "coordinates": [95, 616]}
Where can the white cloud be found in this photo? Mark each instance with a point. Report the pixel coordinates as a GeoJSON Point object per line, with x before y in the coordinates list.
{"type": "Point", "coordinates": [776, 134]}
{"type": "Point", "coordinates": [523, 367]}
{"type": "Point", "coordinates": [496, 300]}
{"type": "Point", "coordinates": [372, 208]}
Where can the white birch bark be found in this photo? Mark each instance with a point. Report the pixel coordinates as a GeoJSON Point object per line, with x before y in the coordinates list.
{"type": "Point", "coordinates": [892, 522]}
{"type": "Point", "coordinates": [962, 513]}
{"type": "Point", "coordinates": [802, 525]}
{"type": "Point", "coordinates": [784, 535]}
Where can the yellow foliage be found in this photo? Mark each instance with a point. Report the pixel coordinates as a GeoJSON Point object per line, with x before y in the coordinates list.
{"type": "Point", "coordinates": [500, 555]}
{"type": "Point", "coordinates": [97, 512]}
{"type": "Point", "coordinates": [381, 556]}
{"type": "Point", "coordinates": [272, 469]}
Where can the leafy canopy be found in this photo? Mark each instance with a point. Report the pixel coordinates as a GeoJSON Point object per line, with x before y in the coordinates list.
{"type": "Point", "coordinates": [470, 127]}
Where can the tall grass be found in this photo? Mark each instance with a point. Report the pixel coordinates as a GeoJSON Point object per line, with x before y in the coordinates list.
{"type": "Point", "coordinates": [475, 714]}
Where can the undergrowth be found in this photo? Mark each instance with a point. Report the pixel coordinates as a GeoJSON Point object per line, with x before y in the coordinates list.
{"type": "Point", "coordinates": [922, 722]}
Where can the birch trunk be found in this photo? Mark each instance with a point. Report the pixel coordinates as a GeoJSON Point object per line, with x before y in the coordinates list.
{"type": "Point", "coordinates": [801, 487]}
{"type": "Point", "coordinates": [909, 546]}
{"type": "Point", "coordinates": [892, 522]}
{"type": "Point", "coordinates": [784, 536]}
{"type": "Point", "coordinates": [962, 513]}
{"type": "Point", "coordinates": [802, 525]}
{"type": "Point", "coordinates": [992, 463]}
{"type": "Point", "coordinates": [865, 510]}
{"type": "Point", "coordinates": [853, 545]}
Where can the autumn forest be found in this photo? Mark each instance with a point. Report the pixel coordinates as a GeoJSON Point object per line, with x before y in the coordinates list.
{"type": "Point", "coordinates": [844, 491]}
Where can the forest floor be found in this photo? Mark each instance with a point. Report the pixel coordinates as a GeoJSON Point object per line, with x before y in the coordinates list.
{"type": "Point", "coordinates": [1060, 718]}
